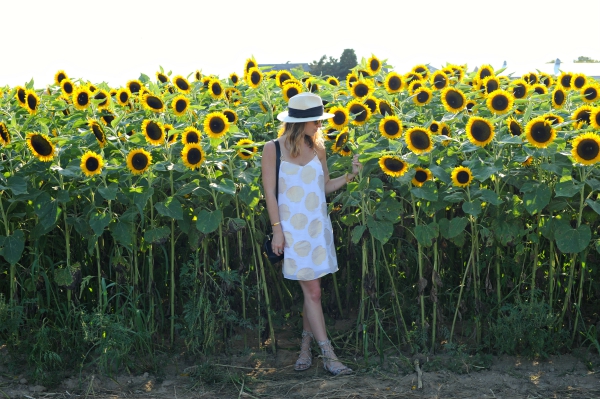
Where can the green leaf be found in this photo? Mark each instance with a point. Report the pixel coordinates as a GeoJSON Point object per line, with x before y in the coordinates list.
{"type": "Point", "coordinates": [63, 196]}
{"type": "Point", "coordinates": [490, 196]}
{"type": "Point", "coordinates": [17, 185]}
{"type": "Point", "coordinates": [109, 193]}
{"type": "Point", "coordinates": [380, 230]}
{"type": "Point", "coordinates": [157, 235]}
{"type": "Point", "coordinates": [13, 246]}
{"type": "Point", "coordinates": [122, 233]}
{"type": "Point", "coordinates": [427, 192]}
{"type": "Point", "coordinates": [170, 208]}
{"type": "Point", "coordinates": [225, 186]}
{"type": "Point", "coordinates": [357, 233]}
{"type": "Point", "coordinates": [389, 209]}
{"type": "Point", "coordinates": [507, 232]}
{"type": "Point", "coordinates": [46, 209]}
{"type": "Point", "coordinates": [349, 219]}
{"type": "Point", "coordinates": [595, 205]}
{"type": "Point", "coordinates": [567, 188]}
{"type": "Point", "coordinates": [98, 222]}
{"type": "Point", "coordinates": [454, 197]}
{"type": "Point", "coordinates": [537, 199]}
{"type": "Point", "coordinates": [250, 195]}
{"type": "Point", "coordinates": [472, 208]}
{"type": "Point", "coordinates": [207, 222]}
{"type": "Point", "coordinates": [427, 233]}
{"type": "Point", "coordinates": [452, 228]}
{"type": "Point", "coordinates": [570, 240]}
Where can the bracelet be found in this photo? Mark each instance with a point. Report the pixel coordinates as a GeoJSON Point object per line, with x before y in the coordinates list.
{"type": "Point", "coordinates": [275, 224]}
{"type": "Point", "coordinates": [346, 177]}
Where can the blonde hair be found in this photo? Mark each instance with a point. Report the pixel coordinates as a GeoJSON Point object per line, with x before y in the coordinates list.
{"type": "Point", "coordinates": [294, 133]}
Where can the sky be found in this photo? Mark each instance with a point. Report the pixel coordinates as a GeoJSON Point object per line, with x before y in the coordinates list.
{"type": "Point", "coordinates": [114, 41]}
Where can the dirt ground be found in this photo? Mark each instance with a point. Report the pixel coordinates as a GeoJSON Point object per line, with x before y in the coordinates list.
{"type": "Point", "coordinates": [261, 375]}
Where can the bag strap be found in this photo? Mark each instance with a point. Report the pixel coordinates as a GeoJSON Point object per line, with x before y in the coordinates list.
{"type": "Point", "coordinates": [277, 163]}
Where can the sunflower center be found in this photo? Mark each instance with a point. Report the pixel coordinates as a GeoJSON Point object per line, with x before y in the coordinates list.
{"type": "Point", "coordinates": [216, 88]}
{"type": "Point", "coordinates": [588, 149]}
{"type": "Point", "coordinates": [422, 97]}
{"type": "Point", "coordinates": [92, 164]}
{"type": "Point", "coordinates": [360, 89]}
{"type": "Point", "coordinates": [180, 105]}
{"type": "Point", "coordinates": [154, 102]}
{"type": "Point", "coordinates": [434, 127]}
{"type": "Point", "coordinates": [385, 108]}
{"type": "Point", "coordinates": [98, 132]}
{"type": "Point", "coordinates": [463, 177]}
{"type": "Point", "coordinates": [32, 102]}
{"type": "Point", "coordinates": [539, 90]}
{"type": "Point", "coordinates": [394, 83]}
{"type": "Point", "coordinates": [421, 176]}
{"type": "Point", "coordinates": [191, 137]}
{"type": "Point", "coordinates": [484, 73]}
{"type": "Point", "coordinates": [420, 140]}
{"type": "Point", "coordinates": [500, 103]}
{"type": "Point", "coordinates": [515, 128]}
{"type": "Point", "coordinates": [194, 156]}
{"type": "Point", "coordinates": [162, 78]}
{"type": "Point", "coordinates": [60, 77]}
{"type": "Point", "coordinates": [454, 99]}
{"type": "Point", "coordinates": [360, 111]}
{"type": "Point", "coordinates": [590, 93]}
{"type": "Point", "coordinates": [255, 78]}
{"type": "Point", "coordinates": [481, 131]}
{"type": "Point", "coordinates": [4, 133]}
{"type": "Point", "coordinates": [217, 125]}
{"type": "Point", "coordinates": [21, 95]}
{"type": "Point", "coordinates": [519, 91]}
{"type": "Point", "coordinates": [139, 161]}
{"type": "Point", "coordinates": [374, 65]}
{"type": "Point", "coordinates": [68, 88]}
{"type": "Point", "coordinates": [182, 84]}
{"type": "Point", "coordinates": [491, 86]}
{"type": "Point", "coordinates": [391, 127]}
{"type": "Point", "coordinates": [579, 82]}
{"type": "Point", "coordinates": [134, 87]}
{"type": "Point", "coordinates": [41, 145]}
{"type": "Point", "coordinates": [123, 97]}
{"type": "Point", "coordinates": [446, 131]}
{"type": "Point", "coordinates": [291, 91]}
{"type": "Point", "coordinates": [154, 131]}
{"type": "Point", "coordinates": [230, 116]}
{"type": "Point", "coordinates": [559, 97]}
{"type": "Point", "coordinates": [394, 165]}
{"type": "Point", "coordinates": [83, 98]}
{"type": "Point", "coordinates": [339, 117]}
{"type": "Point", "coordinates": [597, 118]}
{"type": "Point", "coordinates": [101, 96]}
{"type": "Point", "coordinates": [583, 116]}
{"type": "Point", "coordinates": [565, 81]}
{"type": "Point", "coordinates": [371, 104]}
{"type": "Point", "coordinates": [439, 81]}
{"type": "Point", "coordinates": [234, 79]}
{"type": "Point", "coordinates": [540, 132]}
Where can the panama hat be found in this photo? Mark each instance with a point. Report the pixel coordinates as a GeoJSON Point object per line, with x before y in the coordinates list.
{"type": "Point", "coordinates": [304, 107]}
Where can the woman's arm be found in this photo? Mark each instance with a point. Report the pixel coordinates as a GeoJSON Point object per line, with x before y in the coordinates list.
{"type": "Point", "coordinates": [332, 185]}
{"type": "Point", "coordinates": [268, 162]}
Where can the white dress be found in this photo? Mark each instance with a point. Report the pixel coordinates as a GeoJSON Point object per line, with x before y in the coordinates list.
{"type": "Point", "coordinates": [309, 251]}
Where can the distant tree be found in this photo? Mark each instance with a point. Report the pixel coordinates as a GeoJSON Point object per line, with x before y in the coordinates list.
{"type": "Point", "coordinates": [585, 59]}
{"type": "Point", "coordinates": [331, 66]}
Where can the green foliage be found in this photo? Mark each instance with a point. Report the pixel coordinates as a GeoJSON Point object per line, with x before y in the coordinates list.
{"type": "Point", "coordinates": [334, 67]}
{"type": "Point", "coordinates": [582, 58]}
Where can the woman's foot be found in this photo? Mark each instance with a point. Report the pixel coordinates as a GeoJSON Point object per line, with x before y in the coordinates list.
{"type": "Point", "coordinates": [330, 360]}
{"type": "Point", "coordinates": [305, 359]}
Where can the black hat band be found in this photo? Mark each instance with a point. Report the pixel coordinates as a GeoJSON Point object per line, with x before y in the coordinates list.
{"type": "Point", "coordinates": [306, 113]}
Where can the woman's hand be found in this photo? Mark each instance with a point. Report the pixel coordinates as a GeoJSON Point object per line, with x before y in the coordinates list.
{"type": "Point", "coordinates": [356, 165]}
{"type": "Point", "coordinates": [278, 242]}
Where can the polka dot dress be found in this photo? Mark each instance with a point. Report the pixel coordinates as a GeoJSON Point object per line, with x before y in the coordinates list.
{"type": "Point", "coordinates": [309, 251]}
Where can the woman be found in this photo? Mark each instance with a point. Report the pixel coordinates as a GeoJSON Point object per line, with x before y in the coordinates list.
{"type": "Point", "coordinates": [298, 212]}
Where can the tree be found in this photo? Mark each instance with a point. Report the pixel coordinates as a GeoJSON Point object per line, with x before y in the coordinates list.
{"type": "Point", "coordinates": [331, 66]}
{"type": "Point", "coordinates": [585, 59]}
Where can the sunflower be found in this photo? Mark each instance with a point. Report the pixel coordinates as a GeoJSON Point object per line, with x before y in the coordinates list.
{"type": "Point", "coordinates": [216, 125]}
{"type": "Point", "coordinates": [582, 114]}
{"type": "Point", "coordinates": [290, 89]}
{"type": "Point", "coordinates": [490, 84]}
{"type": "Point", "coordinates": [340, 117]}
{"type": "Point", "coordinates": [330, 133]}
{"type": "Point", "coordinates": [500, 102]}
{"type": "Point", "coordinates": [82, 97]}
{"type": "Point", "coordinates": [41, 146]}
{"type": "Point", "coordinates": [138, 161]}
{"type": "Point", "coordinates": [215, 88]}
{"type": "Point", "coordinates": [91, 164]}
{"type": "Point", "coordinates": [553, 118]}
{"type": "Point", "coordinates": [4, 134]}
{"type": "Point", "coordinates": [190, 135]}
{"type": "Point", "coordinates": [421, 176]}
{"type": "Point", "coordinates": [171, 137]}
{"type": "Point", "coordinates": [234, 78]}
{"type": "Point", "coordinates": [590, 92]}
{"type": "Point", "coordinates": [104, 99]}
{"type": "Point", "coordinates": [359, 111]}
{"type": "Point", "coordinates": [254, 77]}
{"type": "Point", "coordinates": [197, 75]}
{"type": "Point", "coordinates": [346, 150]}
{"type": "Point", "coordinates": [434, 127]}
{"type": "Point", "coordinates": [458, 72]}
{"type": "Point", "coordinates": [595, 118]}
{"type": "Point", "coordinates": [282, 77]}
{"type": "Point", "coordinates": [390, 127]}
{"type": "Point", "coordinates": [180, 105]}
{"type": "Point", "coordinates": [231, 115]}
{"type": "Point", "coordinates": [67, 87]}
{"type": "Point", "coordinates": [311, 85]}
{"type": "Point", "coordinates": [527, 162]}
{"type": "Point", "coordinates": [393, 166]}
{"type": "Point", "coordinates": [385, 108]}
{"type": "Point", "coordinates": [546, 79]}
{"type": "Point", "coordinates": [246, 152]}
{"type": "Point", "coordinates": [373, 65]}
{"type": "Point", "coordinates": [152, 103]}
{"type": "Point", "coordinates": [564, 79]}
{"type": "Point", "coordinates": [558, 97]}
{"type": "Point", "coordinates": [250, 63]}
{"type": "Point", "coordinates": [539, 88]}
{"type": "Point", "coordinates": [59, 77]}
{"type": "Point", "coordinates": [514, 127]}
{"type": "Point", "coordinates": [205, 81]}
{"type": "Point", "coordinates": [414, 86]}
{"type": "Point", "coordinates": [520, 88]}
{"type": "Point", "coordinates": [439, 80]}
{"type": "Point", "coordinates": [233, 96]}
{"type": "Point", "coordinates": [134, 86]}
{"type": "Point", "coordinates": [98, 132]}
{"type": "Point", "coordinates": [461, 176]}
{"type": "Point", "coordinates": [418, 140]}
{"type": "Point", "coordinates": [421, 70]}
{"type": "Point", "coordinates": [453, 99]}
{"type": "Point", "coordinates": [480, 131]}
{"type": "Point", "coordinates": [20, 95]}
{"type": "Point", "coordinates": [485, 71]}
{"type": "Point", "coordinates": [372, 102]}
{"type": "Point", "coordinates": [393, 83]}
{"type": "Point", "coordinates": [350, 79]}
{"type": "Point", "coordinates": [154, 131]}
{"type": "Point", "coordinates": [422, 96]}
{"type": "Point", "coordinates": [340, 140]}
{"type": "Point", "coordinates": [531, 78]}
{"type": "Point", "coordinates": [333, 81]}
{"type": "Point", "coordinates": [578, 80]}
{"type": "Point", "coordinates": [469, 106]}
{"type": "Point", "coordinates": [182, 84]}
{"type": "Point", "coordinates": [362, 88]}
{"type": "Point", "coordinates": [162, 78]}
{"type": "Point", "coordinates": [586, 148]}
{"type": "Point", "coordinates": [32, 101]}
{"type": "Point", "coordinates": [539, 132]}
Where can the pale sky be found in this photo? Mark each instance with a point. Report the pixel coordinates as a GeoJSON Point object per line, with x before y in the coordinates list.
{"type": "Point", "coordinates": [116, 40]}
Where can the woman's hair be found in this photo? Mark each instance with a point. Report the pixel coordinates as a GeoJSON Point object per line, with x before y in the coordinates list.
{"type": "Point", "coordinates": [294, 133]}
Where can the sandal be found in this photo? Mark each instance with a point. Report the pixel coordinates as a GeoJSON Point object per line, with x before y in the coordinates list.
{"type": "Point", "coordinates": [331, 362]}
{"type": "Point", "coordinates": [305, 359]}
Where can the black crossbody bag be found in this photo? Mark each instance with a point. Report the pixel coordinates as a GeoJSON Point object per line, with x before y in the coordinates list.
{"type": "Point", "coordinates": [267, 247]}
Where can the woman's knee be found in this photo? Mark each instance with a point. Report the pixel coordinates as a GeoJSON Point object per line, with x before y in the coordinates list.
{"type": "Point", "coordinates": [312, 292]}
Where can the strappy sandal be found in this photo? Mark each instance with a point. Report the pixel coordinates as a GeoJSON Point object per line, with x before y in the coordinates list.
{"type": "Point", "coordinates": [305, 358]}
{"type": "Point", "coordinates": [331, 362]}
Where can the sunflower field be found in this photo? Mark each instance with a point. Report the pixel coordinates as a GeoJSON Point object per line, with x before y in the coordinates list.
{"type": "Point", "coordinates": [132, 217]}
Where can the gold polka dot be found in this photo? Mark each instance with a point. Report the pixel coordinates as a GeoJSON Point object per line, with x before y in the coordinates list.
{"type": "Point", "coordinates": [319, 255]}
{"type": "Point", "coordinates": [315, 228]}
{"type": "Point", "coordinates": [308, 174]}
{"type": "Point", "coordinates": [299, 221]}
{"type": "Point", "coordinates": [321, 182]}
{"type": "Point", "coordinates": [289, 168]}
{"type": "Point", "coordinates": [295, 193]}
{"type": "Point", "coordinates": [289, 240]}
{"type": "Point", "coordinates": [289, 266]}
{"type": "Point", "coordinates": [311, 202]}
{"type": "Point", "coordinates": [302, 248]}
{"type": "Point", "coordinates": [306, 274]}
{"type": "Point", "coordinates": [284, 212]}
{"type": "Point", "coordinates": [282, 185]}
{"type": "Point", "coordinates": [328, 237]}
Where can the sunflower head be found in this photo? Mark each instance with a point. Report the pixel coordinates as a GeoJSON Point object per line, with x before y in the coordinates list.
{"type": "Point", "coordinates": [182, 84]}
{"type": "Point", "coordinates": [351, 78]}
{"type": "Point", "coordinates": [590, 92]}
{"type": "Point", "coordinates": [414, 86]}
{"type": "Point", "coordinates": [333, 81]}
{"type": "Point", "coordinates": [154, 131]}
{"type": "Point", "coordinates": [330, 133]}
{"type": "Point", "coordinates": [422, 96]}
{"type": "Point", "coordinates": [390, 127]}
{"type": "Point", "coordinates": [233, 96]}
{"type": "Point", "coordinates": [41, 146]}
{"type": "Point", "coordinates": [123, 96]}
{"type": "Point", "coordinates": [254, 77]}
{"type": "Point", "coordinates": [461, 176]}
{"type": "Point", "coordinates": [559, 96]}
{"type": "Point", "coordinates": [234, 79]}
{"type": "Point", "coordinates": [67, 87]}
{"type": "Point", "coordinates": [82, 97]}
{"type": "Point", "coordinates": [554, 118]}
{"type": "Point", "coordinates": [434, 127]}
{"type": "Point", "coordinates": [385, 108]}
{"type": "Point", "coordinates": [59, 77]}
{"type": "Point", "coordinates": [418, 140]}
{"type": "Point", "coordinates": [421, 176]}
{"type": "Point", "coordinates": [582, 114]}
{"type": "Point", "coordinates": [421, 70]}
{"type": "Point", "coordinates": [198, 75]}
{"type": "Point", "coordinates": [546, 79]}
{"type": "Point", "coordinates": [514, 127]}
{"type": "Point", "coordinates": [91, 164]}
{"type": "Point", "coordinates": [216, 125]}
{"type": "Point", "coordinates": [469, 106]}
{"type": "Point", "coordinates": [193, 155]}
{"type": "Point", "coordinates": [539, 132]}
{"type": "Point", "coordinates": [578, 80]}
{"type": "Point", "coordinates": [480, 131]}
{"type": "Point", "coordinates": [362, 88]}
{"type": "Point", "coordinates": [531, 78]}
{"type": "Point", "coordinates": [439, 80]}
{"type": "Point", "coordinates": [500, 102]}
{"type": "Point", "coordinates": [231, 115]}
{"type": "Point", "coordinates": [484, 71]}
{"type": "Point", "coordinates": [162, 78]}
{"type": "Point", "coordinates": [359, 111]}
{"type": "Point", "coordinates": [20, 95]}
{"type": "Point", "coordinates": [393, 83]}
{"type": "Point", "coordinates": [340, 140]}
{"type": "Point", "coordinates": [32, 101]}
{"type": "Point", "coordinates": [393, 166]}
{"type": "Point", "coordinates": [340, 117]}
{"type": "Point", "coordinates": [373, 64]}
{"type": "Point", "coordinates": [98, 132]}
{"type": "Point", "coordinates": [138, 161]}
{"type": "Point", "coordinates": [453, 99]}
{"type": "Point", "coordinates": [247, 150]}
{"type": "Point", "coordinates": [4, 134]}
{"type": "Point", "coordinates": [564, 79]}
{"type": "Point", "coordinates": [586, 148]}
{"type": "Point", "coordinates": [215, 88]}
{"type": "Point", "coordinates": [134, 86]}
{"type": "Point", "coordinates": [490, 84]}
{"type": "Point", "coordinates": [152, 103]}
{"type": "Point", "coordinates": [250, 63]}
{"type": "Point", "coordinates": [190, 135]}
{"type": "Point", "coordinates": [595, 118]}
{"type": "Point", "coordinates": [539, 88]}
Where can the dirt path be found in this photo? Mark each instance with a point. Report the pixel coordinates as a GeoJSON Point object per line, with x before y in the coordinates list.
{"type": "Point", "coordinates": [263, 376]}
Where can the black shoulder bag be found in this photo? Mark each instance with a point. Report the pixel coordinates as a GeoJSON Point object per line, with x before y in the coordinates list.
{"type": "Point", "coordinates": [267, 247]}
